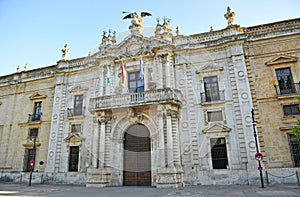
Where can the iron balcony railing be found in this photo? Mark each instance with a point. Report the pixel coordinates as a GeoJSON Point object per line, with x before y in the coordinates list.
{"type": "Point", "coordinates": [136, 98]}
{"type": "Point", "coordinates": [34, 117]}
{"type": "Point", "coordinates": [289, 88]}
{"type": "Point", "coordinates": [212, 96]}
{"type": "Point", "coordinates": [75, 112]}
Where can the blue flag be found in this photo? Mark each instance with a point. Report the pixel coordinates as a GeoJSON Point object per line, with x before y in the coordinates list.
{"type": "Point", "coordinates": [141, 75]}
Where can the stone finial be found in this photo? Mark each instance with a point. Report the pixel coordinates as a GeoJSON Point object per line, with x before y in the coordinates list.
{"type": "Point", "coordinates": [18, 68]}
{"type": "Point", "coordinates": [26, 67]}
{"type": "Point", "coordinates": [211, 29]}
{"type": "Point", "coordinates": [114, 37]}
{"type": "Point", "coordinates": [111, 38]}
{"type": "Point", "coordinates": [166, 25]}
{"type": "Point", "coordinates": [104, 38]}
{"type": "Point", "coordinates": [229, 16]}
{"type": "Point", "coordinates": [65, 51]}
{"type": "Point", "coordinates": [158, 27]}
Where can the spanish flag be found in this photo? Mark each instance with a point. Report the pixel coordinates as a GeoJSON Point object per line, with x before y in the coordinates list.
{"type": "Point", "coordinates": [123, 74]}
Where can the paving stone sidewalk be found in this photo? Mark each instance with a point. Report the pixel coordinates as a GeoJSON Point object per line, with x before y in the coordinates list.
{"type": "Point", "coordinates": [18, 190]}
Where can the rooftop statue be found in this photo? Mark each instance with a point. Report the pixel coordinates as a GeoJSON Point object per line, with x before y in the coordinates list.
{"type": "Point", "coordinates": [136, 18]}
{"type": "Point", "coordinates": [65, 52]}
{"type": "Point", "coordinates": [229, 16]}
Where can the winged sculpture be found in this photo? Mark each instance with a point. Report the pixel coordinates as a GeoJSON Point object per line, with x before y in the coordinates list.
{"type": "Point", "coordinates": [136, 18]}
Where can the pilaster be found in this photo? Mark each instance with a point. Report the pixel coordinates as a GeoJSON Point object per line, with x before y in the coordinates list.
{"type": "Point", "coordinates": [95, 146]}
{"type": "Point", "coordinates": [171, 174]}
{"type": "Point", "coordinates": [99, 175]}
{"type": "Point", "coordinates": [169, 139]}
{"type": "Point", "coordinates": [161, 145]}
{"type": "Point", "coordinates": [102, 121]}
{"type": "Point", "coordinates": [57, 127]}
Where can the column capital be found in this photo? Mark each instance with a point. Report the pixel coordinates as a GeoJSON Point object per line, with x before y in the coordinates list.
{"type": "Point", "coordinates": [103, 117]}
{"type": "Point", "coordinates": [172, 113]}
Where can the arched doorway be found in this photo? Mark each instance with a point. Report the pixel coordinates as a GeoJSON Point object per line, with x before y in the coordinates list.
{"type": "Point", "coordinates": [137, 156]}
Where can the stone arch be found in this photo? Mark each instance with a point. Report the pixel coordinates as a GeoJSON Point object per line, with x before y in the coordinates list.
{"type": "Point", "coordinates": [120, 127]}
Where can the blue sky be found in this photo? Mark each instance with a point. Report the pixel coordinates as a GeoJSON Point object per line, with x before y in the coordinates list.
{"type": "Point", "coordinates": [35, 31]}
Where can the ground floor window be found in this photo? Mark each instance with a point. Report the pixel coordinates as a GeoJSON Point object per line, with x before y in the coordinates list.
{"type": "Point", "coordinates": [28, 156]}
{"type": "Point", "coordinates": [295, 149]}
{"type": "Point", "coordinates": [219, 153]}
{"type": "Point", "coordinates": [74, 158]}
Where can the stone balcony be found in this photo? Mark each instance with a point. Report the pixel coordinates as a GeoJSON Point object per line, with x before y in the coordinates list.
{"type": "Point", "coordinates": [157, 96]}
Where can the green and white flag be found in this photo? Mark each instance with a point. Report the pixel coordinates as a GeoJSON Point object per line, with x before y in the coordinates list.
{"type": "Point", "coordinates": [108, 75]}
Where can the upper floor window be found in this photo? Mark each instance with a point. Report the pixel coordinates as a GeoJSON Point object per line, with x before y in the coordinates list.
{"type": "Point", "coordinates": [213, 116]}
{"type": "Point", "coordinates": [135, 84]}
{"type": "Point", "coordinates": [291, 110]}
{"type": "Point", "coordinates": [285, 81]}
{"type": "Point", "coordinates": [211, 89]}
{"type": "Point", "coordinates": [33, 132]}
{"type": "Point", "coordinates": [37, 111]}
{"type": "Point", "coordinates": [78, 102]}
{"type": "Point", "coordinates": [75, 128]}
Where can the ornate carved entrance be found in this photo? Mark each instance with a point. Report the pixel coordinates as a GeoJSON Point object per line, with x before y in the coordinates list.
{"type": "Point", "coordinates": [137, 156]}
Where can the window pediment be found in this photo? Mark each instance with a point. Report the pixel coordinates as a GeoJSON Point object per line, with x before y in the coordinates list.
{"type": "Point", "coordinates": [210, 68]}
{"type": "Point", "coordinates": [37, 96]}
{"type": "Point", "coordinates": [281, 59]}
{"type": "Point", "coordinates": [77, 89]}
{"type": "Point", "coordinates": [73, 137]}
{"type": "Point", "coordinates": [216, 127]}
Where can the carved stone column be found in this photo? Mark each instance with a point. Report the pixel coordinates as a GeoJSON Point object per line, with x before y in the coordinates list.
{"type": "Point", "coordinates": [100, 177]}
{"type": "Point", "coordinates": [169, 139]}
{"type": "Point", "coordinates": [161, 140]}
{"type": "Point", "coordinates": [176, 141]}
{"type": "Point", "coordinates": [95, 146]}
{"type": "Point", "coordinates": [171, 175]}
{"type": "Point", "coordinates": [102, 120]}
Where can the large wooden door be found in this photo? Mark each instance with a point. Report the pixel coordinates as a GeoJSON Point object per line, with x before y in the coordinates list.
{"type": "Point", "coordinates": [137, 157]}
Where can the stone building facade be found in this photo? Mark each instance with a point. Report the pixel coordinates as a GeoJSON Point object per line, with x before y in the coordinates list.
{"type": "Point", "coordinates": [167, 110]}
{"type": "Point", "coordinates": [26, 113]}
{"type": "Point", "coordinates": [274, 75]}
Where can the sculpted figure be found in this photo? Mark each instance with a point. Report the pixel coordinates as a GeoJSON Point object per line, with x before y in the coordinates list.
{"type": "Point", "coordinates": [136, 18]}
{"type": "Point", "coordinates": [229, 16]}
{"type": "Point", "coordinates": [65, 52]}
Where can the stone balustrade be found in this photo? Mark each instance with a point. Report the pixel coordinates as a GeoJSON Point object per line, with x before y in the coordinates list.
{"type": "Point", "coordinates": [136, 98]}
